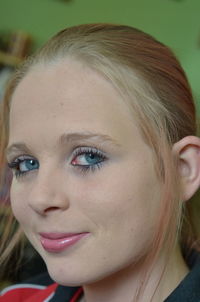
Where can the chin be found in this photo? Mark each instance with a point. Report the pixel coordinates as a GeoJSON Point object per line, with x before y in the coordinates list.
{"type": "Point", "coordinates": [80, 275]}
{"type": "Point", "coordinates": [68, 275]}
{"type": "Point", "coordinates": [66, 280]}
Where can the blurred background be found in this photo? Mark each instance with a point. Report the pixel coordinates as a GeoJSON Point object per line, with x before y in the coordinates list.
{"type": "Point", "coordinates": [26, 24]}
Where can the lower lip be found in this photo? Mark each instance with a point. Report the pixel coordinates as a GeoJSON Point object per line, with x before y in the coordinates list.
{"type": "Point", "coordinates": [58, 245]}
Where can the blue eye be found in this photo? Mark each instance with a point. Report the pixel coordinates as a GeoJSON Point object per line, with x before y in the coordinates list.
{"type": "Point", "coordinates": [28, 164]}
{"type": "Point", "coordinates": [23, 165]}
{"type": "Point", "coordinates": [88, 158]}
{"type": "Point", "coordinates": [93, 159]}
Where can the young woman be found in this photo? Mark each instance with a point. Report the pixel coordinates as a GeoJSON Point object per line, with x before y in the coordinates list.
{"type": "Point", "coordinates": [99, 130]}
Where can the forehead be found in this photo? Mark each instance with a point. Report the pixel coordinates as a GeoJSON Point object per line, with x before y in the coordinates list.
{"type": "Point", "coordinates": [66, 84]}
{"type": "Point", "coordinates": [67, 95]}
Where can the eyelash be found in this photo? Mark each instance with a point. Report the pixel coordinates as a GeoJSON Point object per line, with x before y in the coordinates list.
{"type": "Point", "coordinates": [83, 168]}
{"type": "Point", "coordinates": [89, 151]}
{"type": "Point", "coordinates": [15, 165]}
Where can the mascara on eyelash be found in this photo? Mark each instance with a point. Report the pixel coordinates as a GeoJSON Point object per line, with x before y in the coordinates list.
{"type": "Point", "coordinates": [19, 158]}
{"type": "Point", "coordinates": [14, 165]}
{"type": "Point", "coordinates": [86, 168]}
{"type": "Point", "coordinates": [88, 150]}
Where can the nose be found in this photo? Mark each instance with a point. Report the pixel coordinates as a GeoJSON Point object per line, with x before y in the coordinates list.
{"type": "Point", "coordinates": [48, 193]}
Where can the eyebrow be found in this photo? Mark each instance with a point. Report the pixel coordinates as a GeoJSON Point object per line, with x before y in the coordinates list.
{"type": "Point", "coordinates": [78, 136]}
{"type": "Point", "coordinates": [65, 139]}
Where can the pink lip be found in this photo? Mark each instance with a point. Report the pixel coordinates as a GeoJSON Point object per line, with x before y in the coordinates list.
{"type": "Point", "coordinates": [57, 242]}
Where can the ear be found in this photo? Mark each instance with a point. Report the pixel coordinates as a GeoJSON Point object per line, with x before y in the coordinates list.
{"type": "Point", "coordinates": [187, 150]}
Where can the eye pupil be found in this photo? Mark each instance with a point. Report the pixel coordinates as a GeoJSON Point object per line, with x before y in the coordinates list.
{"type": "Point", "coordinates": [32, 162]}
{"type": "Point", "coordinates": [91, 155]}
{"type": "Point", "coordinates": [92, 158]}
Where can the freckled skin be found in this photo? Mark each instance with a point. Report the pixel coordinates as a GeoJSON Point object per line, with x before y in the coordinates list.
{"type": "Point", "coordinates": [118, 204]}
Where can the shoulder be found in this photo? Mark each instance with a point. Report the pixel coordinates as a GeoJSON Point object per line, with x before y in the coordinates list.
{"type": "Point", "coordinates": [41, 287]}
{"type": "Point", "coordinates": [189, 289]}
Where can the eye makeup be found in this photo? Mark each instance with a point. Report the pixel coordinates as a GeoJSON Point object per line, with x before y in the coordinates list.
{"type": "Point", "coordinates": [84, 158]}
{"type": "Point", "coordinates": [88, 159]}
{"type": "Point", "coordinates": [22, 165]}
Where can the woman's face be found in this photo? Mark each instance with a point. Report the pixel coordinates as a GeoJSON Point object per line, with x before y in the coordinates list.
{"type": "Point", "coordinates": [84, 190]}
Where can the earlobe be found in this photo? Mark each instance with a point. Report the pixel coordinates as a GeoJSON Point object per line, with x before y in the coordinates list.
{"type": "Point", "coordinates": [187, 150]}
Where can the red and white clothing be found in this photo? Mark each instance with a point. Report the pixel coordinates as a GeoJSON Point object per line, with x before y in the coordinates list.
{"type": "Point", "coordinates": [39, 293]}
{"type": "Point", "coordinates": [43, 289]}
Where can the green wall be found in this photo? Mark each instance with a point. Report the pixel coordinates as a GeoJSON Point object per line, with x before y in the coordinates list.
{"type": "Point", "coordinates": [174, 22]}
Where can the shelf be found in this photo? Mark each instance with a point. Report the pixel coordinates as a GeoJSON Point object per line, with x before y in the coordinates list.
{"type": "Point", "coordinates": [9, 59]}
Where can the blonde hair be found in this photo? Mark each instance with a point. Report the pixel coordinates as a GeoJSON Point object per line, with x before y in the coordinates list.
{"type": "Point", "coordinates": [154, 86]}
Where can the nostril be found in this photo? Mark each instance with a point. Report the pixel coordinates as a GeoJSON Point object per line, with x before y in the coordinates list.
{"type": "Point", "coordinates": [51, 209]}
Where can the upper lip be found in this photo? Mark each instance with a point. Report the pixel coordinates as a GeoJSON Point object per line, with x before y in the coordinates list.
{"type": "Point", "coordinates": [57, 235]}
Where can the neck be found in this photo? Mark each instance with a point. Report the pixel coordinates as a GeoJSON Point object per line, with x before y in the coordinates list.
{"type": "Point", "coordinates": [123, 285]}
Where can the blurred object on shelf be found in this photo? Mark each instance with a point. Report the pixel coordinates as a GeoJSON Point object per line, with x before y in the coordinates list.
{"type": "Point", "coordinates": [4, 40]}
{"type": "Point", "coordinates": [14, 47]}
{"type": "Point", "coordinates": [7, 59]}
{"type": "Point", "coordinates": [5, 75]}
{"type": "Point", "coordinates": [19, 44]}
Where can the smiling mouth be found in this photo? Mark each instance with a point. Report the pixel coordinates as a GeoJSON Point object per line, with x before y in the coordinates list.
{"type": "Point", "coordinates": [57, 242]}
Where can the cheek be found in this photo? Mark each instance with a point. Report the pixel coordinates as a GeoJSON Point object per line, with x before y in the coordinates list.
{"type": "Point", "coordinates": [124, 203]}
{"type": "Point", "coordinates": [123, 191]}
{"type": "Point", "coordinates": [122, 210]}
{"type": "Point", "coordinates": [18, 198]}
